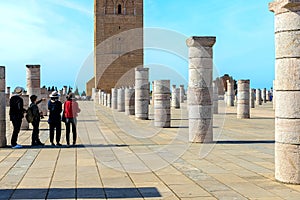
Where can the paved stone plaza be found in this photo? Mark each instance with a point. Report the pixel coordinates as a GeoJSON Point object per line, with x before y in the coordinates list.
{"type": "Point", "coordinates": [118, 157]}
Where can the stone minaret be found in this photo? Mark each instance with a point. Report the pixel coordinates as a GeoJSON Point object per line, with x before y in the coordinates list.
{"type": "Point", "coordinates": [118, 20]}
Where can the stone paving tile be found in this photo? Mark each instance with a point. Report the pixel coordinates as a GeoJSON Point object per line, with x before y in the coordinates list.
{"type": "Point", "coordinates": [112, 148]}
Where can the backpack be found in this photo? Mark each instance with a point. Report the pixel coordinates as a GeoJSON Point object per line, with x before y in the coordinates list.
{"type": "Point", "coordinates": [29, 115]}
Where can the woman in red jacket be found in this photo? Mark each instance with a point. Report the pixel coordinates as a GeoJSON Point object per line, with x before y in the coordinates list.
{"type": "Point", "coordinates": [71, 110]}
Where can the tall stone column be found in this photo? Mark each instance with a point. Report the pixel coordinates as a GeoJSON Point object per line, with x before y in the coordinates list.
{"type": "Point", "coordinates": [175, 97]}
{"type": "Point", "coordinates": [258, 97]}
{"type": "Point", "coordinates": [274, 93]}
{"type": "Point", "coordinates": [200, 91]}
{"type": "Point", "coordinates": [162, 112]}
{"type": "Point", "coordinates": [114, 98]}
{"type": "Point", "coordinates": [109, 100]}
{"type": "Point", "coordinates": [230, 93]}
{"type": "Point", "coordinates": [243, 107]}
{"type": "Point", "coordinates": [121, 100]}
{"type": "Point", "coordinates": [182, 93]}
{"type": "Point", "coordinates": [33, 80]}
{"type": "Point", "coordinates": [3, 141]}
{"type": "Point", "coordinates": [287, 73]}
{"type": "Point", "coordinates": [129, 101]}
{"type": "Point", "coordinates": [141, 93]}
{"type": "Point", "coordinates": [264, 95]}
{"type": "Point", "coordinates": [25, 124]}
{"type": "Point", "coordinates": [215, 97]}
{"type": "Point", "coordinates": [252, 98]}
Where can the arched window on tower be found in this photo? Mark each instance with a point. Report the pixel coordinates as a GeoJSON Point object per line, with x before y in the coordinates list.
{"type": "Point", "coordinates": [119, 9]}
{"type": "Point", "coordinates": [109, 7]}
{"type": "Point", "coordinates": [130, 6]}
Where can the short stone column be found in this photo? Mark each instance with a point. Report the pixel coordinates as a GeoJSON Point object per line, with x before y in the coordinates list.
{"type": "Point", "coordinates": [252, 98]}
{"type": "Point", "coordinates": [94, 91]}
{"type": "Point", "coordinates": [114, 98]}
{"type": "Point", "coordinates": [268, 95]}
{"type": "Point", "coordinates": [141, 93]}
{"type": "Point", "coordinates": [7, 96]}
{"type": "Point", "coordinates": [43, 106]}
{"type": "Point", "coordinates": [258, 100]}
{"type": "Point", "coordinates": [3, 141]}
{"type": "Point", "coordinates": [129, 101]}
{"type": "Point", "coordinates": [26, 103]}
{"type": "Point", "coordinates": [200, 91]}
{"type": "Point", "coordinates": [215, 98]}
{"type": "Point", "coordinates": [105, 99]}
{"type": "Point", "coordinates": [65, 90]}
{"type": "Point", "coordinates": [96, 100]}
{"type": "Point", "coordinates": [175, 97]}
{"type": "Point", "coordinates": [109, 100]}
{"type": "Point", "coordinates": [162, 112]}
{"type": "Point", "coordinates": [33, 80]}
{"type": "Point", "coordinates": [243, 99]}
{"type": "Point", "coordinates": [182, 93]}
{"type": "Point", "coordinates": [121, 100]}
{"type": "Point", "coordinates": [264, 95]}
{"type": "Point", "coordinates": [287, 113]}
{"type": "Point", "coordinates": [230, 93]}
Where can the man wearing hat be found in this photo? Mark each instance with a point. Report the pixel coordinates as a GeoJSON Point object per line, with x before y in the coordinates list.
{"type": "Point", "coordinates": [55, 109]}
{"type": "Point", "coordinates": [16, 113]}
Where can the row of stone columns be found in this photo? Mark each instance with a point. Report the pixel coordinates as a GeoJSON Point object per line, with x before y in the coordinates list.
{"type": "Point", "coordinates": [135, 101]}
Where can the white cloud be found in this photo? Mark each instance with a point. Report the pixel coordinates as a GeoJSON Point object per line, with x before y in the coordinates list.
{"type": "Point", "coordinates": [71, 5]}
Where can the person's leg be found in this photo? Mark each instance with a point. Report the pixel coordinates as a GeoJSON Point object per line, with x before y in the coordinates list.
{"type": "Point", "coordinates": [58, 132]}
{"type": "Point", "coordinates": [51, 132]}
{"type": "Point", "coordinates": [68, 132]}
{"type": "Point", "coordinates": [17, 127]}
{"type": "Point", "coordinates": [74, 130]}
{"type": "Point", "coordinates": [35, 133]}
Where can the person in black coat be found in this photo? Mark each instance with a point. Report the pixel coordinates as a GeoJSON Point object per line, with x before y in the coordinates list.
{"type": "Point", "coordinates": [16, 114]}
{"type": "Point", "coordinates": [55, 109]}
{"type": "Point", "coordinates": [35, 140]}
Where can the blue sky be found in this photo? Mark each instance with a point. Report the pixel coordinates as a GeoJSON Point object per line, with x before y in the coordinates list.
{"type": "Point", "coordinates": [58, 34]}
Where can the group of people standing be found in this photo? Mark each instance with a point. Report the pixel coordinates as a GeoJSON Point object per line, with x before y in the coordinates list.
{"type": "Point", "coordinates": [58, 112]}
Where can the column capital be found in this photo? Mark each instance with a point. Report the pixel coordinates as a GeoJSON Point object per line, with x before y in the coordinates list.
{"type": "Point", "coordinates": [141, 69]}
{"type": "Point", "coordinates": [244, 81]}
{"type": "Point", "coordinates": [196, 41]}
{"type": "Point", "coordinates": [33, 66]}
{"type": "Point", "coordinates": [280, 6]}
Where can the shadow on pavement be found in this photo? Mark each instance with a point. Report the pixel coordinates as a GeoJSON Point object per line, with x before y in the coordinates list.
{"type": "Point", "coordinates": [84, 193]}
{"type": "Point", "coordinates": [247, 142]}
